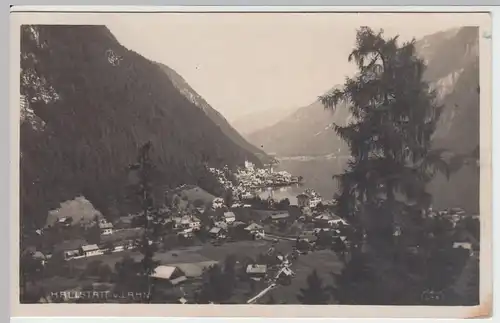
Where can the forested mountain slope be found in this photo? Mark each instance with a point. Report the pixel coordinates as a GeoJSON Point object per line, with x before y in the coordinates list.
{"type": "Point", "coordinates": [88, 103]}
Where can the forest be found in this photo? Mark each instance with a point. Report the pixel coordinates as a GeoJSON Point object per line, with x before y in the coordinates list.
{"type": "Point", "coordinates": [88, 104]}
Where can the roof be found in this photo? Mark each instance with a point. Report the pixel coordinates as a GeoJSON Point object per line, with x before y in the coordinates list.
{"type": "Point", "coordinates": [194, 269]}
{"type": "Point", "coordinates": [215, 230]}
{"type": "Point", "coordinates": [324, 217]}
{"type": "Point", "coordinates": [287, 271]}
{"type": "Point", "coordinates": [222, 225]}
{"type": "Point", "coordinates": [195, 219]}
{"type": "Point", "coordinates": [229, 215]}
{"type": "Point", "coordinates": [125, 234]}
{"type": "Point", "coordinates": [106, 225]}
{"type": "Point", "coordinates": [236, 223]}
{"type": "Point", "coordinates": [465, 245]}
{"type": "Point", "coordinates": [308, 237]}
{"type": "Point", "coordinates": [178, 280]}
{"type": "Point", "coordinates": [164, 272]}
{"type": "Point", "coordinates": [38, 254]}
{"type": "Point", "coordinates": [278, 216]}
{"type": "Point", "coordinates": [90, 247]}
{"type": "Point", "coordinates": [254, 226]}
{"type": "Point", "coordinates": [256, 269]}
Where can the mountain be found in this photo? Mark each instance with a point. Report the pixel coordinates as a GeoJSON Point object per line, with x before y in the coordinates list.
{"type": "Point", "coordinates": [184, 88]}
{"type": "Point", "coordinates": [453, 68]}
{"type": "Point", "coordinates": [257, 120]}
{"type": "Point", "coordinates": [88, 103]}
{"type": "Point", "coordinates": [452, 58]}
{"type": "Point", "coordinates": [306, 132]}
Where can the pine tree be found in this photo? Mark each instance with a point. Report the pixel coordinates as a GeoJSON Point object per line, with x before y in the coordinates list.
{"type": "Point", "coordinates": [394, 116]}
{"type": "Point", "coordinates": [390, 138]}
{"type": "Point", "coordinates": [315, 293]}
{"type": "Point", "coordinates": [151, 219]}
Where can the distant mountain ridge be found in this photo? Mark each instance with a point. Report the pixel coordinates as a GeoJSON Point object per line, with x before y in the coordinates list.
{"type": "Point", "coordinates": [453, 68]}
{"type": "Point", "coordinates": [257, 120]}
{"type": "Point", "coordinates": [185, 89]}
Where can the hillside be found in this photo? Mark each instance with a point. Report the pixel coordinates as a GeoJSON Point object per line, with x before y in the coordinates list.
{"type": "Point", "coordinates": [214, 115]}
{"type": "Point", "coordinates": [306, 132]}
{"type": "Point", "coordinates": [88, 103]}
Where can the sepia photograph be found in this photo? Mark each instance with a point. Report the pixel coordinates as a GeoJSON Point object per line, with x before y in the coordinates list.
{"type": "Point", "coordinates": [256, 159]}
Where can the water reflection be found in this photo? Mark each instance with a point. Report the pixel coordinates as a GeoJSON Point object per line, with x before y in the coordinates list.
{"type": "Point", "coordinates": [279, 193]}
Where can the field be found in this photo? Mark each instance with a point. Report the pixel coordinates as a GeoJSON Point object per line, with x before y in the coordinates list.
{"type": "Point", "coordinates": [325, 262]}
{"type": "Point", "coordinates": [192, 254]}
{"type": "Point", "coordinates": [193, 193]}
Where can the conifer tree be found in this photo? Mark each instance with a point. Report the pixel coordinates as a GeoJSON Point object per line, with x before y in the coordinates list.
{"type": "Point", "coordinates": [150, 218]}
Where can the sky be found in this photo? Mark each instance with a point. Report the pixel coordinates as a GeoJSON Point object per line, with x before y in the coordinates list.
{"type": "Point", "coordinates": [247, 62]}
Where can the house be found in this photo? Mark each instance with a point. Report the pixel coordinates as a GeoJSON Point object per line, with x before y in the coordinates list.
{"type": "Point", "coordinates": [172, 274]}
{"type": "Point", "coordinates": [123, 239]}
{"type": "Point", "coordinates": [314, 201]}
{"type": "Point", "coordinates": [90, 250]}
{"type": "Point", "coordinates": [249, 166]}
{"type": "Point", "coordinates": [256, 272]}
{"type": "Point", "coordinates": [255, 229]}
{"type": "Point", "coordinates": [65, 221]}
{"type": "Point", "coordinates": [329, 219]}
{"type": "Point", "coordinates": [222, 225]}
{"type": "Point", "coordinates": [69, 248]}
{"type": "Point", "coordinates": [218, 233]}
{"type": "Point", "coordinates": [218, 203]}
{"type": "Point", "coordinates": [229, 217]}
{"type": "Point", "coordinates": [303, 200]}
{"type": "Point", "coordinates": [247, 196]}
{"type": "Point", "coordinates": [318, 230]}
{"type": "Point", "coordinates": [195, 223]}
{"type": "Point", "coordinates": [106, 228]}
{"type": "Point", "coordinates": [186, 233]}
{"type": "Point", "coordinates": [463, 245]}
{"type": "Point", "coordinates": [39, 256]}
{"type": "Point", "coordinates": [285, 275]}
{"type": "Point", "coordinates": [279, 216]}
{"type": "Point", "coordinates": [176, 222]}
{"type": "Point", "coordinates": [465, 240]}
{"type": "Point", "coordinates": [185, 222]}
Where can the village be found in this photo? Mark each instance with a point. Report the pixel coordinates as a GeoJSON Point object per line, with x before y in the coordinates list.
{"type": "Point", "coordinates": [273, 245]}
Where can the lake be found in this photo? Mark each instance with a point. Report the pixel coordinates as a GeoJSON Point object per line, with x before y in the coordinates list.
{"type": "Point", "coordinates": [461, 190]}
{"type": "Point", "coordinates": [317, 174]}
